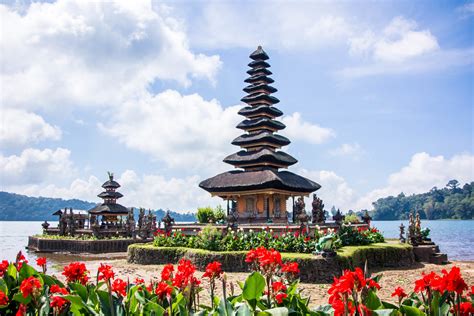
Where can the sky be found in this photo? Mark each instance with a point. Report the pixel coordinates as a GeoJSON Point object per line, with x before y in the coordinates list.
{"type": "Point", "coordinates": [378, 96]}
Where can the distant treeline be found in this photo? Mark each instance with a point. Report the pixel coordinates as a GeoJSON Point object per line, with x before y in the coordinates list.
{"type": "Point", "coordinates": [16, 207]}
{"type": "Point", "coordinates": [450, 202]}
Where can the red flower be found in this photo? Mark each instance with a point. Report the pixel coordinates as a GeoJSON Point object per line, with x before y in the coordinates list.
{"type": "Point", "coordinates": [372, 284]}
{"type": "Point", "coordinates": [452, 281]}
{"type": "Point", "coordinates": [30, 286]}
{"type": "Point", "coordinates": [41, 262]}
{"type": "Point", "coordinates": [21, 310]}
{"type": "Point", "coordinates": [466, 309]}
{"type": "Point", "coordinates": [429, 281]}
{"type": "Point", "coordinates": [139, 281]}
{"type": "Point", "coordinates": [20, 259]}
{"type": "Point", "coordinates": [280, 297]}
{"type": "Point", "coordinates": [291, 268]}
{"type": "Point", "coordinates": [213, 270]}
{"type": "Point", "coordinates": [364, 310]}
{"type": "Point", "coordinates": [163, 289]}
{"type": "Point", "coordinates": [3, 299]}
{"type": "Point", "coordinates": [278, 287]}
{"type": "Point", "coordinates": [57, 289]}
{"type": "Point", "coordinates": [267, 260]}
{"type": "Point", "coordinates": [185, 275]}
{"type": "Point", "coordinates": [167, 272]}
{"type": "Point", "coordinates": [399, 292]}
{"type": "Point", "coordinates": [58, 301]}
{"type": "Point", "coordinates": [119, 286]}
{"type": "Point", "coordinates": [105, 272]}
{"type": "Point", "coordinates": [3, 267]}
{"type": "Point", "coordinates": [76, 272]}
{"type": "Point", "coordinates": [472, 290]}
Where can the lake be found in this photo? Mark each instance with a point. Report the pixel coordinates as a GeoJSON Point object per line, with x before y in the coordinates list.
{"type": "Point", "coordinates": [456, 238]}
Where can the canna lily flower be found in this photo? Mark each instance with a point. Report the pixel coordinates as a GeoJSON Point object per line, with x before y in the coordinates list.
{"type": "Point", "coordinates": [105, 272]}
{"type": "Point", "coordinates": [30, 286]}
{"type": "Point", "coordinates": [76, 272]}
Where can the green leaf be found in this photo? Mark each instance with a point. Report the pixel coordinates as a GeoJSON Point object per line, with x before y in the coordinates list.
{"type": "Point", "coordinates": [411, 311]}
{"type": "Point", "coordinates": [19, 298]}
{"type": "Point", "coordinates": [48, 280]}
{"type": "Point", "coordinates": [388, 305]}
{"type": "Point", "coordinates": [3, 287]}
{"type": "Point", "coordinates": [253, 288]}
{"type": "Point", "coordinates": [153, 307]}
{"type": "Point", "coordinates": [372, 301]}
{"type": "Point", "coordinates": [27, 271]}
{"type": "Point", "coordinates": [225, 308]}
{"type": "Point", "coordinates": [243, 310]}
{"type": "Point", "coordinates": [80, 289]}
{"type": "Point", "coordinates": [278, 311]}
{"type": "Point", "coordinates": [12, 271]}
{"type": "Point", "coordinates": [385, 312]}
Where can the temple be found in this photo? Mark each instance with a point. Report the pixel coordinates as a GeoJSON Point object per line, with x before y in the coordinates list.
{"type": "Point", "coordinates": [258, 190]}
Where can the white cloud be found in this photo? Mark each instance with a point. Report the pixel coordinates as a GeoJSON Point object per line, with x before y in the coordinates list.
{"type": "Point", "coordinates": [334, 189]}
{"type": "Point", "coordinates": [353, 150]}
{"type": "Point", "coordinates": [308, 26]}
{"type": "Point", "coordinates": [298, 129]}
{"type": "Point", "coordinates": [188, 131]}
{"type": "Point", "coordinates": [93, 53]}
{"type": "Point", "coordinates": [19, 128]}
{"type": "Point", "coordinates": [466, 10]}
{"type": "Point", "coordinates": [34, 166]}
{"type": "Point", "coordinates": [421, 174]}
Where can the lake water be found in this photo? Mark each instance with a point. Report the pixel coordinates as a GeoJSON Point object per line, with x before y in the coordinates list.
{"type": "Point", "coordinates": [456, 238]}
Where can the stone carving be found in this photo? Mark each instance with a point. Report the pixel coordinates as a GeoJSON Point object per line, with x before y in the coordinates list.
{"type": "Point", "coordinates": [411, 230]}
{"type": "Point", "coordinates": [45, 226]}
{"type": "Point", "coordinates": [318, 210]}
{"type": "Point", "coordinates": [366, 217]}
{"type": "Point", "coordinates": [418, 236]}
{"type": "Point", "coordinates": [62, 224]}
{"type": "Point", "coordinates": [402, 233]}
{"type": "Point", "coordinates": [299, 206]}
{"type": "Point", "coordinates": [168, 222]}
{"type": "Point", "coordinates": [338, 217]}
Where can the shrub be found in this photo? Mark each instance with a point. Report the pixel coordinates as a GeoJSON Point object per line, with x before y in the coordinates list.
{"type": "Point", "coordinates": [351, 219]}
{"type": "Point", "coordinates": [205, 215]}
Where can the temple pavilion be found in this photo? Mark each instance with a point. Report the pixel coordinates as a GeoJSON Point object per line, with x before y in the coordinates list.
{"type": "Point", "coordinates": [110, 210]}
{"type": "Point", "coordinates": [258, 189]}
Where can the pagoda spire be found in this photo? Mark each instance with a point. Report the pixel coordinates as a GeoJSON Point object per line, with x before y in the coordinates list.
{"type": "Point", "coordinates": [259, 143]}
{"type": "Point", "coordinates": [110, 196]}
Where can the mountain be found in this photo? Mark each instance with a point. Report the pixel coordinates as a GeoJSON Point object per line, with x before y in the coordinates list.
{"type": "Point", "coordinates": [17, 207]}
{"type": "Point", "coordinates": [450, 202]}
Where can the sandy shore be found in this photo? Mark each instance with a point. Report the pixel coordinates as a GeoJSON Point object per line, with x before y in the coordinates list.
{"type": "Point", "coordinates": [317, 292]}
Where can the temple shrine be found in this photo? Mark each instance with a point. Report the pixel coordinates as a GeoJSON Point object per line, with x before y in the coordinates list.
{"type": "Point", "coordinates": [257, 191]}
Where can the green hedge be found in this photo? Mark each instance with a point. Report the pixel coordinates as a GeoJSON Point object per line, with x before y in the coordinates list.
{"type": "Point", "coordinates": [313, 268]}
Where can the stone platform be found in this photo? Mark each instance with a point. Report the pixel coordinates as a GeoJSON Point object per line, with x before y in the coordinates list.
{"type": "Point", "coordinates": [81, 246]}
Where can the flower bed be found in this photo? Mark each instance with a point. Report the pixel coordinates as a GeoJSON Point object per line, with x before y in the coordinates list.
{"type": "Point", "coordinates": [211, 238]}
{"type": "Point", "coordinates": [270, 289]}
{"type": "Point", "coordinates": [314, 269]}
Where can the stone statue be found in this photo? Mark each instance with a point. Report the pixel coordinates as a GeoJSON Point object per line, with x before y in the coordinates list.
{"type": "Point", "coordinates": [366, 217]}
{"type": "Point", "coordinates": [149, 224]}
{"type": "Point", "coordinates": [299, 206]}
{"type": "Point", "coordinates": [141, 219]}
{"type": "Point", "coordinates": [62, 224]}
{"type": "Point", "coordinates": [318, 210]}
{"type": "Point", "coordinates": [168, 222]}
{"type": "Point", "coordinates": [45, 226]}
{"type": "Point", "coordinates": [418, 236]}
{"type": "Point", "coordinates": [70, 222]}
{"type": "Point", "coordinates": [411, 230]}
{"type": "Point", "coordinates": [232, 217]}
{"type": "Point", "coordinates": [338, 217]}
{"type": "Point", "coordinates": [402, 233]}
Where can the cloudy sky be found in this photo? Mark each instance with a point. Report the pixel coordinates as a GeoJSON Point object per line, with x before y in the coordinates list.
{"type": "Point", "coordinates": [378, 96]}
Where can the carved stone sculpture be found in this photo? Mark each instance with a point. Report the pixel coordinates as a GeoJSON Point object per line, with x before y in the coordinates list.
{"type": "Point", "coordinates": [168, 222]}
{"type": "Point", "coordinates": [402, 233]}
{"type": "Point", "coordinates": [338, 217]}
{"type": "Point", "coordinates": [318, 210]}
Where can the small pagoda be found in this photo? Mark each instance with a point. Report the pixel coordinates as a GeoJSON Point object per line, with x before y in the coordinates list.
{"type": "Point", "coordinates": [258, 190]}
{"type": "Point", "coordinates": [110, 210]}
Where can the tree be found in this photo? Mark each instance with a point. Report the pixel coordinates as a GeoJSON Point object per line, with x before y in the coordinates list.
{"type": "Point", "coordinates": [452, 184]}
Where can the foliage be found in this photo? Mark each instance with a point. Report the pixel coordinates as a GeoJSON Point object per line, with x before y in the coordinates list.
{"type": "Point", "coordinates": [351, 219]}
{"type": "Point", "coordinates": [271, 289]}
{"type": "Point", "coordinates": [207, 214]}
{"type": "Point", "coordinates": [453, 202]}
{"type": "Point", "coordinates": [210, 238]}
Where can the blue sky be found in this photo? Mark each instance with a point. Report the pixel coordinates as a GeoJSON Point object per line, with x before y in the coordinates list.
{"type": "Point", "coordinates": [378, 96]}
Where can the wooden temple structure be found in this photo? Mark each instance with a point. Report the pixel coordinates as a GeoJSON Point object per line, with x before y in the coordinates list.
{"type": "Point", "coordinates": [257, 191]}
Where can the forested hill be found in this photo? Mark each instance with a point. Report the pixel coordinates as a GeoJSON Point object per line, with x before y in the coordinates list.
{"type": "Point", "coordinates": [16, 207]}
{"type": "Point", "coordinates": [451, 202]}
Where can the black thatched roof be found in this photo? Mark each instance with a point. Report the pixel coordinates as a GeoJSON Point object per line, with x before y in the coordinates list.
{"type": "Point", "coordinates": [259, 64]}
{"type": "Point", "coordinates": [259, 70]}
{"type": "Point", "coordinates": [110, 195]}
{"type": "Point", "coordinates": [260, 157]}
{"type": "Point", "coordinates": [111, 184]}
{"type": "Point", "coordinates": [259, 54]}
{"type": "Point", "coordinates": [256, 97]}
{"type": "Point", "coordinates": [235, 181]}
{"type": "Point", "coordinates": [260, 86]}
{"type": "Point", "coordinates": [262, 137]}
{"type": "Point", "coordinates": [262, 122]}
{"type": "Point", "coordinates": [109, 208]}
{"type": "Point", "coordinates": [261, 109]}
{"type": "Point", "coordinates": [258, 78]}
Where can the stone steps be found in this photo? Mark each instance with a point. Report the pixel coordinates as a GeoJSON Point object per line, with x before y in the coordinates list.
{"type": "Point", "coordinates": [439, 258]}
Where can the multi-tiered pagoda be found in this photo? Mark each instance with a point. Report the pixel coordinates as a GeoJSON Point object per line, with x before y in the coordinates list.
{"type": "Point", "coordinates": [110, 209]}
{"type": "Point", "coordinates": [259, 189]}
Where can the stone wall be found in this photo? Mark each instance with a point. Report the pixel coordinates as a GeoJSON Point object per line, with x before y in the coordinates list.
{"type": "Point", "coordinates": [314, 269]}
{"type": "Point", "coordinates": [80, 246]}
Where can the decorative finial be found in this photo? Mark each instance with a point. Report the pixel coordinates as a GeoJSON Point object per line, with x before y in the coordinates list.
{"type": "Point", "coordinates": [111, 175]}
{"type": "Point", "coordinates": [259, 47]}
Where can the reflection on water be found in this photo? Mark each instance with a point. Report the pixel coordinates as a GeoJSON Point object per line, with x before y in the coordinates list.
{"type": "Point", "coordinates": [456, 238]}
